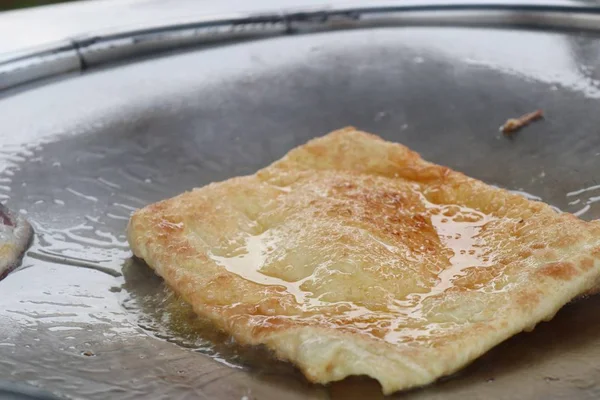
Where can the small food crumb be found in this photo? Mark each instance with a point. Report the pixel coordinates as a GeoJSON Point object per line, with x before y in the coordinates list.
{"type": "Point", "coordinates": [550, 379]}
{"type": "Point", "coordinates": [88, 353]}
{"type": "Point", "coordinates": [514, 124]}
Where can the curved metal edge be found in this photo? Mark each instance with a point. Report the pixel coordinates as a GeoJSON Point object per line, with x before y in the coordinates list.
{"type": "Point", "coordinates": [28, 66]}
{"type": "Point", "coordinates": [98, 50]}
{"type": "Point", "coordinates": [81, 53]}
{"type": "Point", "coordinates": [491, 18]}
{"type": "Point", "coordinates": [20, 391]}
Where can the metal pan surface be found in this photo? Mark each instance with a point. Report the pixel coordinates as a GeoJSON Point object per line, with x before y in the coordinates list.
{"type": "Point", "coordinates": [80, 319]}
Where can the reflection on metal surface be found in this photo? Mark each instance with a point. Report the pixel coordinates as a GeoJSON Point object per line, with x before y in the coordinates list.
{"type": "Point", "coordinates": [125, 137]}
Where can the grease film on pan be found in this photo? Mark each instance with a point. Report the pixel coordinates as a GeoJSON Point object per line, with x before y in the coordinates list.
{"type": "Point", "coordinates": [125, 137]}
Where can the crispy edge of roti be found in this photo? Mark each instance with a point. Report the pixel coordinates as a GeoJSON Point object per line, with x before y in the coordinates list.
{"type": "Point", "coordinates": [325, 354]}
{"type": "Point", "coordinates": [11, 252]}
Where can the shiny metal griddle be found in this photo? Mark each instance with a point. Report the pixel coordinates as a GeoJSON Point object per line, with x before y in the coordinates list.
{"type": "Point", "coordinates": [81, 319]}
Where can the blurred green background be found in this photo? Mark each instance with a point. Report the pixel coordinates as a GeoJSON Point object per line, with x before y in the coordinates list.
{"type": "Point", "coordinates": [12, 4]}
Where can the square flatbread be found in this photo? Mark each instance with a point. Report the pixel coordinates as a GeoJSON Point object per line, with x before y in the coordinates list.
{"type": "Point", "coordinates": [353, 256]}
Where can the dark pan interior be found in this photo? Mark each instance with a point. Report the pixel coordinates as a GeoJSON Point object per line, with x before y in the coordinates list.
{"type": "Point", "coordinates": [78, 155]}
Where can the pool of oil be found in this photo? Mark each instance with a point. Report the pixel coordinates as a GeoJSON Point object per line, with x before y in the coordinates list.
{"type": "Point", "coordinates": [82, 319]}
{"type": "Point", "coordinates": [160, 313]}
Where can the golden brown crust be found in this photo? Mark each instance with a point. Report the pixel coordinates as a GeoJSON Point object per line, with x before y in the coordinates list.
{"type": "Point", "coordinates": [354, 256]}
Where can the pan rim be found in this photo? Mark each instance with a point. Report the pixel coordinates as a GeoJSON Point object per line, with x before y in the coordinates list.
{"type": "Point", "coordinates": [85, 52]}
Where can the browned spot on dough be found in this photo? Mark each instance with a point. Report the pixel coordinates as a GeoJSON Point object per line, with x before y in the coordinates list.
{"type": "Point", "coordinates": [505, 260]}
{"type": "Point", "coordinates": [558, 270]}
{"type": "Point", "coordinates": [587, 264]}
{"type": "Point", "coordinates": [596, 252]}
{"type": "Point", "coordinates": [319, 151]}
{"type": "Point", "coordinates": [525, 253]}
{"type": "Point", "coordinates": [538, 246]}
{"type": "Point", "coordinates": [222, 280]}
{"type": "Point", "coordinates": [528, 299]}
{"type": "Point", "coordinates": [566, 241]}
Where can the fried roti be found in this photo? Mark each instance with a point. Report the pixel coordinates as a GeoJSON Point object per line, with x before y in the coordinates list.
{"type": "Point", "coordinates": [354, 256]}
{"type": "Point", "coordinates": [15, 237]}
